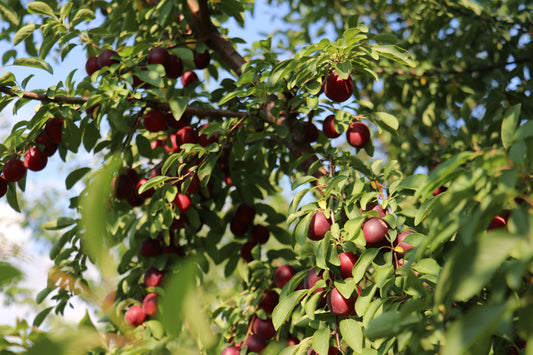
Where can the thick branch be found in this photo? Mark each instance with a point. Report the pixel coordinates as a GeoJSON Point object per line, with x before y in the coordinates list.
{"type": "Point", "coordinates": [205, 31]}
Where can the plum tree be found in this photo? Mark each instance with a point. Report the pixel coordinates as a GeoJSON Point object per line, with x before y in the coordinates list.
{"type": "Point", "coordinates": [197, 175]}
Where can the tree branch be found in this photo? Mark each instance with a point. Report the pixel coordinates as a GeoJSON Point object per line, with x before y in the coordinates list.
{"type": "Point", "coordinates": [80, 100]}
{"type": "Point", "coordinates": [205, 31]}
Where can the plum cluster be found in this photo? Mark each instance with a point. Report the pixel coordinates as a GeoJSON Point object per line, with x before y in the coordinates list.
{"type": "Point", "coordinates": [35, 157]}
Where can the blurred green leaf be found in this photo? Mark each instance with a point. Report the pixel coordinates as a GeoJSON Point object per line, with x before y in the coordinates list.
{"type": "Point", "coordinates": [510, 124]}
{"type": "Point", "coordinates": [475, 326]}
{"type": "Point", "coordinates": [469, 268]}
{"type": "Point", "coordinates": [8, 273]}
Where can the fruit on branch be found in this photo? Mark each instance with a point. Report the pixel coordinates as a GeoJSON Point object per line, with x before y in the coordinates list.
{"type": "Point", "coordinates": [34, 159]}
{"type": "Point", "coordinates": [158, 55]}
{"type": "Point", "coordinates": [358, 135]}
{"type": "Point", "coordinates": [375, 231]}
{"type": "Point", "coordinates": [173, 147]}
{"type": "Point", "coordinates": [3, 186]}
{"type": "Point", "coordinates": [150, 304]}
{"type": "Point", "coordinates": [153, 277]}
{"type": "Point", "coordinates": [184, 120]}
{"type": "Point", "coordinates": [188, 78]}
{"type": "Point", "coordinates": [497, 222]}
{"type": "Point", "coordinates": [337, 89]}
{"type": "Point", "coordinates": [230, 350]}
{"type": "Point", "coordinates": [439, 190]}
{"type": "Point", "coordinates": [318, 226]}
{"type": "Point", "coordinates": [331, 351]}
{"type": "Point", "coordinates": [91, 65]}
{"type": "Point", "coordinates": [105, 58]}
{"type": "Point", "coordinates": [238, 228]}
{"type": "Point", "coordinates": [263, 327]}
{"type": "Point", "coordinates": [348, 260]}
{"type": "Point", "coordinates": [312, 278]}
{"type": "Point", "coordinates": [269, 301]}
{"type": "Point", "coordinates": [155, 121]}
{"type": "Point", "coordinates": [186, 135]}
{"type": "Point", "coordinates": [283, 274]}
{"type": "Point", "coordinates": [201, 60]}
{"type": "Point", "coordinates": [194, 184]}
{"type": "Point", "coordinates": [49, 147]}
{"type": "Point", "coordinates": [150, 248]}
{"type": "Point", "coordinates": [203, 139]}
{"type": "Point", "coordinates": [255, 343]}
{"type": "Point", "coordinates": [328, 127]}
{"type": "Point", "coordinates": [182, 202]}
{"type": "Point", "coordinates": [53, 129]}
{"type": "Point", "coordinates": [122, 187]}
{"type": "Point", "coordinates": [341, 306]}
{"type": "Point", "coordinates": [14, 170]}
{"type": "Point", "coordinates": [173, 67]}
{"type": "Point", "coordinates": [400, 243]}
{"type": "Point", "coordinates": [260, 234]}
{"type": "Point", "coordinates": [135, 315]}
{"type": "Point", "coordinates": [374, 206]}
{"type": "Point", "coordinates": [246, 251]}
{"type": "Point", "coordinates": [310, 131]}
{"type": "Point", "coordinates": [245, 213]}
{"type": "Point", "coordinates": [293, 341]}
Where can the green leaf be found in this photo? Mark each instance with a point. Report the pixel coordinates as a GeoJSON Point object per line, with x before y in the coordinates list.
{"type": "Point", "coordinates": [35, 63]}
{"type": "Point", "coordinates": [153, 182]}
{"type": "Point", "coordinates": [388, 119]}
{"type": "Point", "coordinates": [41, 316]}
{"type": "Point", "coordinates": [384, 325]}
{"type": "Point", "coordinates": [509, 125]}
{"type": "Point", "coordinates": [302, 180]}
{"type": "Point", "coordinates": [94, 208]}
{"type": "Point", "coordinates": [75, 176]}
{"type": "Point", "coordinates": [86, 321]}
{"type": "Point", "coordinates": [300, 232]}
{"type": "Point", "coordinates": [172, 302]}
{"type": "Point", "coordinates": [352, 334]}
{"type": "Point", "coordinates": [427, 266]}
{"type": "Point", "coordinates": [41, 8]}
{"type": "Point", "coordinates": [473, 327]}
{"type": "Point", "coordinates": [10, 15]}
{"type": "Point", "coordinates": [23, 33]}
{"type": "Point", "coordinates": [285, 306]}
{"type": "Point", "coordinates": [321, 341]}
{"type": "Point", "coordinates": [8, 273]}
{"type": "Point", "coordinates": [363, 263]}
{"type": "Point", "coordinates": [233, 8]}
{"type": "Point", "coordinates": [468, 269]}
{"type": "Point", "coordinates": [344, 69]}
{"type": "Point", "coordinates": [178, 106]}
{"type": "Point", "coordinates": [83, 15]}
{"type": "Point", "coordinates": [395, 53]}
{"type": "Point", "coordinates": [60, 223]}
{"type": "Point", "coordinates": [12, 198]}
{"type": "Point", "coordinates": [411, 182]}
